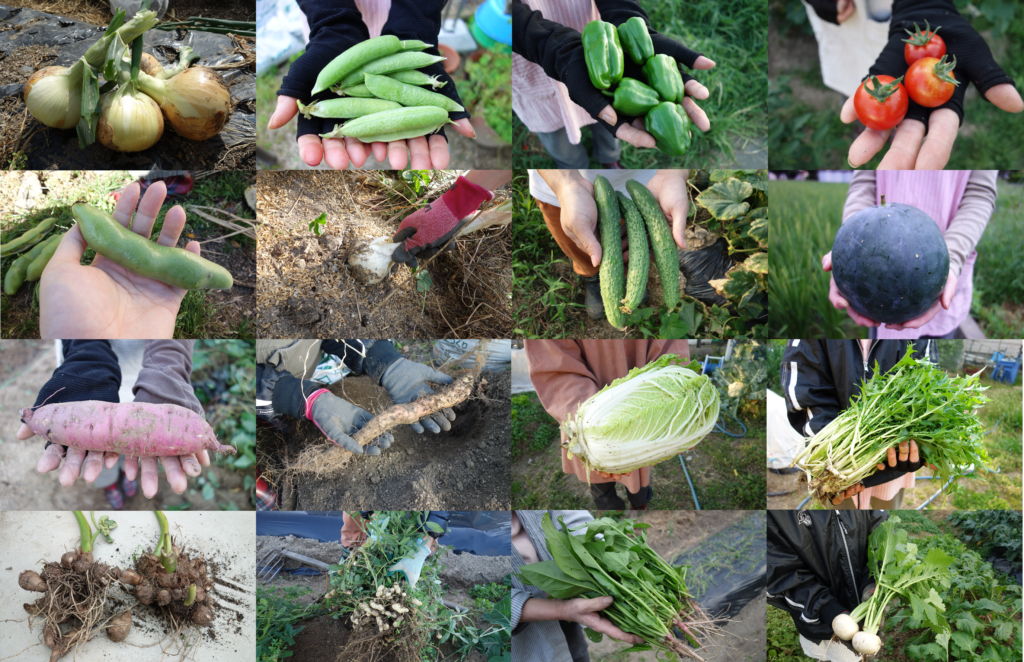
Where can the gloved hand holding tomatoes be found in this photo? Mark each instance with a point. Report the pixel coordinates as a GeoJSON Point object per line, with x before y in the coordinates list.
{"type": "Point", "coordinates": [917, 86]}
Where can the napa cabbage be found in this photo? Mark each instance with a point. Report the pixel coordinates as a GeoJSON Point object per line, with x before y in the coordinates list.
{"type": "Point", "coordinates": [646, 417]}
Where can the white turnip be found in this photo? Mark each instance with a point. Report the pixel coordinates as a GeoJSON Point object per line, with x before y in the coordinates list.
{"type": "Point", "coordinates": [845, 627]}
{"type": "Point", "coordinates": [866, 643]}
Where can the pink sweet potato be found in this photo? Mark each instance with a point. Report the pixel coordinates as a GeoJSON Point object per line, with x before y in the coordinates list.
{"type": "Point", "coordinates": [136, 429]}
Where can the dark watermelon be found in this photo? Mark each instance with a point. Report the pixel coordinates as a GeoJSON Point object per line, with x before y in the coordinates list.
{"type": "Point", "coordinates": [890, 262]}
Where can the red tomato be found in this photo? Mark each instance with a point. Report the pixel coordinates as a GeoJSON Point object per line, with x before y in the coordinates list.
{"type": "Point", "coordinates": [881, 102]}
{"type": "Point", "coordinates": [923, 43]}
{"type": "Point", "coordinates": [930, 81]}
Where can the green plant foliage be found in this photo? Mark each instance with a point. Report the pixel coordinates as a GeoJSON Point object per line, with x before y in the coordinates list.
{"type": "Point", "coordinates": [991, 531]}
{"type": "Point", "coordinates": [488, 85]}
{"type": "Point", "coordinates": [532, 428]}
{"type": "Point", "coordinates": [276, 615]}
{"type": "Point", "coordinates": [743, 379]}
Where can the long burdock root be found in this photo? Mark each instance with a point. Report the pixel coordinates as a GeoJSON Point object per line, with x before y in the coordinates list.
{"type": "Point", "coordinates": [184, 593]}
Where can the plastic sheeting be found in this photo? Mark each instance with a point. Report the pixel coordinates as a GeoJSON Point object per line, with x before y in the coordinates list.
{"type": "Point", "coordinates": [521, 372]}
{"type": "Point", "coordinates": [784, 443]}
{"type": "Point", "coordinates": [484, 533]}
{"type": "Point", "coordinates": [59, 148]}
{"type": "Point", "coordinates": [729, 569]}
{"type": "Point", "coordinates": [705, 265]}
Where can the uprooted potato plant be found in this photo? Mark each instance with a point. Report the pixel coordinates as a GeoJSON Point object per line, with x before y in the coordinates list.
{"type": "Point", "coordinates": [82, 598]}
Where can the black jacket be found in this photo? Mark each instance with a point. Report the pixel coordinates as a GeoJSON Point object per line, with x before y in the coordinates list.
{"type": "Point", "coordinates": [820, 376]}
{"type": "Point", "coordinates": [817, 564]}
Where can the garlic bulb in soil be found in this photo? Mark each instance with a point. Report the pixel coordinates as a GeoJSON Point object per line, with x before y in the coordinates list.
{"type": "Point", "coordinates": [195, 102]}
{"type": "Point", "coordinates": [130, 121]}
{"type": "Point", "coordinates": [370, 261]}
{"type": "Point", "coordinates": [54, 95]}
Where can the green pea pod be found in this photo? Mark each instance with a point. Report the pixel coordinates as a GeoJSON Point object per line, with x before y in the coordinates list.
{"type": "Point", "coordinates": [414, 45]}
{"type": "Point", "coordinates": [386, 65]}
{"type": "Point", "coordinates": [634, 98]}
{"type": "Point", "coordinates": [28, 238]}
{"type": "Point", "coordinates": [663, 75]}
{"type": "Point", "coordinates": [385, 87]}
{"type": "Point", "coordinates": [636, 40]}
{"type": "Point", "coordinates": [34, 271]}
{"type": "Point", "coordinates": [603, 53]}
{"type": "Point", "coordinates": [174, 266]}
{"type": "Point", "coordinates": [358, 91]}
{"type": "Point", "coordinates": [670, 126]}
{"type": "Point", "coordinates": [354, 58]}
{"type": "Point", "coordinates": [16, 273]}
{"type": "Point", "coordinates": [346, 108]}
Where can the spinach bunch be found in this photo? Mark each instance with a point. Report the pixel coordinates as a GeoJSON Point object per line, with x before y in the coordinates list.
{"type": "Point", "coordinates": [613, 558]}
{"type": "Point", "coordinates": [914, 400]}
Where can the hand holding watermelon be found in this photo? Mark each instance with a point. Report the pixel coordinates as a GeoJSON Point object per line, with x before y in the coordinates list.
{"type": "Point", "coordinates": [840, 303]}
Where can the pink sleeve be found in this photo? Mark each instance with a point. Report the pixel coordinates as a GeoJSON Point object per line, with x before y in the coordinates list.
{"type": "Point", "coordinates": [560, 375]}
{"type": "Point", "coordinates": [862, 193]}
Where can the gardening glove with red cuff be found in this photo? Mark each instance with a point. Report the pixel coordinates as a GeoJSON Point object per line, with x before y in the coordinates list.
{"type": "Point", "coordinates": [336, 418]}
{"type": "Point", "coordinates": [89, 372]}
{"type": "Point", "coordinates": [406, 381]}
{"type": "Point", "coordinates": [974, 62]}
{"type": "Point", "coordinates": [427, 230]}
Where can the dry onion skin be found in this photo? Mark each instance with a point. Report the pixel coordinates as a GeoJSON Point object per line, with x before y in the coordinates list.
{"type": "Point", "coordinates": [54, 96]}
{"type": "Point", "coordinates": [196, 102]}
{"type": "Point", "coordinates": [129, 121]}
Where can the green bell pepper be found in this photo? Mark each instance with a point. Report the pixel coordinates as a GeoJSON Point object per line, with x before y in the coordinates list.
{"type": "Point", "coordinates": [603, 53]}
{"type": "Point", "coordinates": [663, 75]}
{"type": "Point", "coordinates": [636, 41]}
{"type": "Point", "coordinates": [670, 126]}
{"type": "Point", "coordinates": [634, 98]}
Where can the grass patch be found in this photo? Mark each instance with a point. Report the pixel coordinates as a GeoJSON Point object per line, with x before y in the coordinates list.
{"type": "Point", "coordinates": [733, 34]}
{"type": "Point", "coordinates": [804, 217]}
{"type": "Point", "coordinates": [998, 279]}
{"type": "Point", "coordinates": [728, 472]}
{"type": "Point", "coordinates": [783, 639]}
{"type": "Point", "coordinates": [532, 428]}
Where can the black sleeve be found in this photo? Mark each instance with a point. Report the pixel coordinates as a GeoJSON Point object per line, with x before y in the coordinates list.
{"type": "Point", "coordinates": [827, 10]}
{"type": "Point", "coordinates": [333, 27]}
{"type": "Point", "coordinates": [364, 357]}
{"type": "Point", "coordinates": [794, 588]}
{"type": "Point", "coordinates": [558, 50]}
{"type": "Point", "coordinates": [89, 372]}
{"type": "Point", "coordinates": [807, 385]}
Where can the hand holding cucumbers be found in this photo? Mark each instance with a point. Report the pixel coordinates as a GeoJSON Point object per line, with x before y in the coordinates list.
{"type": "Point", "coordinates": [407, 73]}
{"type": "Point", "coordinates": [134, 287]}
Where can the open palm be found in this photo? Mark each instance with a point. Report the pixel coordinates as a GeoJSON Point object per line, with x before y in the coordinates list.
{"type": "Point", "coordinates": [104, 299]}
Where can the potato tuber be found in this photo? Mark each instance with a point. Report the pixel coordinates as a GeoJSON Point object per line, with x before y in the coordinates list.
{"type": "Point", "coordinates": [202, 615]}
{"type": "Point", "coordinates": [31, 581]}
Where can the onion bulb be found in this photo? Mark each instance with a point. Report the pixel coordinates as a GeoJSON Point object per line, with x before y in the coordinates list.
{"type": "Point", "coordinates": [150, 65]}
{"type": "Point", "coordinates": [129, 121]}
{"type": "Point", "coordinates": [196, 102]}
{"type": "Point", "coordinates": [370, 262]}
{"type": "Point", "coordinates": [54, 95]}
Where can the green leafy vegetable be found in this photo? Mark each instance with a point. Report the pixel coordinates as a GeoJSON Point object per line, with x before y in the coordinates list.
{"type": "Point", "coordinates": [915, 400]}
{"type": "Point", "coordinates": [643, 418]}
{"type": "Point", "coordinates": [613, 558]}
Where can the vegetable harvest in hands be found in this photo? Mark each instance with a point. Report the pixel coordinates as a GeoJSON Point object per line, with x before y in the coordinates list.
{"type": "Point", "coordinates": [650, 596]}
{"type": "Point", "coordinates": [914, 400]}
{"type": "Point", "coordinates": [899, 573]}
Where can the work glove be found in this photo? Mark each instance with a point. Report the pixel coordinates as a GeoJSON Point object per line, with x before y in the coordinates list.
{"type": "Point", "coordinates": [974, 62]}
{"type": "Point", "coordinates": [892, 473]}
{"type": "Point", "coordinates": [338, 419]}
{"type": "Point", "coordinates": [424, 232]}
{"type": "Point", "coordinates": [406, 381]}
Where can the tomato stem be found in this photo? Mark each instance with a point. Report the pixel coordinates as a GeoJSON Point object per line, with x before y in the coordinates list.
{"type": "Point", "coordinates": [919, 38]}
{"type": "Point", "coordinates": [881, 92]}
{"type": "Point", "coordinates": [943, 69]}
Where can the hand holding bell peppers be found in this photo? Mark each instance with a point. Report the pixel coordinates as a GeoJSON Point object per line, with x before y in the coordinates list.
{"type": "Point", "coordinates": [603, 53]}
{"type": "Point", "coordinates": [636, 40]}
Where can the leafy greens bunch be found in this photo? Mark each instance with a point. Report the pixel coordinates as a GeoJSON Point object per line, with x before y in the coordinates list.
{"type": "Point", "coordinates": [900, 573]}
{"type": "Point", "coordinates": [646, 417]}
{"type": "Point", "coordinates": [915, 400]}
{"type": "Point", "coordinates": [613, 558]}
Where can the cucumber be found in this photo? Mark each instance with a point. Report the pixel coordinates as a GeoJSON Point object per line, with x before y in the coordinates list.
{"type": "Point", "coordinates": [666, 255]}
{"type": "Point", "coordinates": [613, 282]}
{"type": "Point", "coordinates": [639, 258]}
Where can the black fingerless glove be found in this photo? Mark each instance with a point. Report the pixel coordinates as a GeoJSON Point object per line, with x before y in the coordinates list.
{"type": "Point", "coordinates": [892, 473]}
{"type": "Point", "coordinates": [974, 62]}
{"type": "Point", "coordinates": [827, 10]}
{"type": "Point", "coordinates": [89, 372]}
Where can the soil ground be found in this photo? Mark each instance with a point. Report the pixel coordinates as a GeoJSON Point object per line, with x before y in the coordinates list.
{"type": "Point", "coordinates": [25, 365]}
{"type": "Point", "coordinates": [671, 533]}
{"type": "Point", "coordinates": [322, 637]}
{"type": "Point", "coordinates": [466, 468]}
{"type": "Point", "coordinates": [307, 290]}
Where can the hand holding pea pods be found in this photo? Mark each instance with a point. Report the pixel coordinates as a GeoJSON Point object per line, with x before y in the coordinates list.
{"type": "Point", "coordinates": [105, 299]}
{"type": "Point", "coordinates": [378, 57]}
